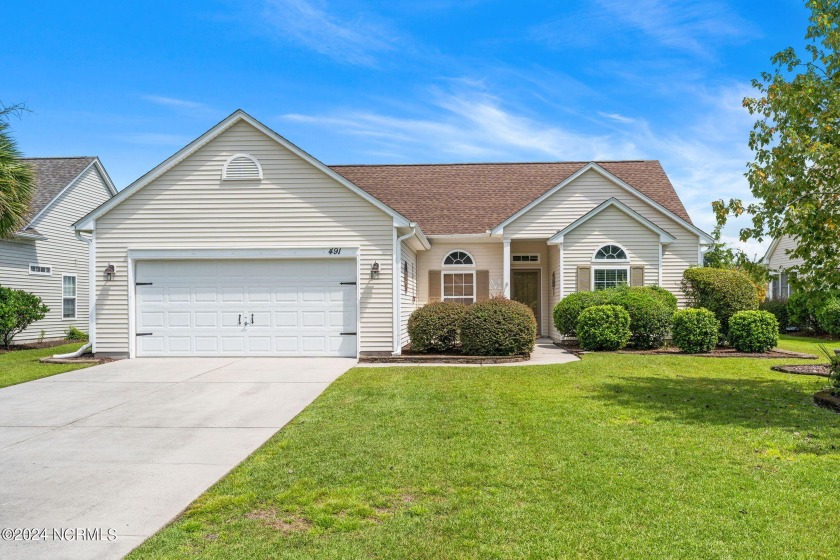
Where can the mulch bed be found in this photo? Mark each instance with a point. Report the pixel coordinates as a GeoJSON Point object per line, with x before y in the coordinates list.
{"type": "Point", "coordinates": [826, 400]}
{"type": "Point", "coordinates": [809, 369]}
{"type": "Point", "coordinates": [40, 345]}
{"type": "Point", "coordinates": [716, 353]}
{"type": "Point", "coordinates": [415, 358]}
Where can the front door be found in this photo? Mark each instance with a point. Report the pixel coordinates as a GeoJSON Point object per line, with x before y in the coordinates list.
{"type": "Point", "coordinates": [526, 289]}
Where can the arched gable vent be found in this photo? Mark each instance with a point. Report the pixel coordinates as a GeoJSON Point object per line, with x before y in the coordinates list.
{"type": "Point", "coordinates": [242, 167]}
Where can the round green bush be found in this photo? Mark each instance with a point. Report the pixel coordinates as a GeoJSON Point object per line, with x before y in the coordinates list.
{"type": "Point", "coordinates": [753, 331]}
{"type": "Point", "coordinates": [568, 309]}
{"type": "Point", "coordinates": [695, 330]}
{"type": "Point", "coordinates": [828, 317]}
{"type": "Point", "coordinates": [435, 326]}
{"type": "Point", "coordinates": [724, 292]}
{"type": "Point", "coordinates": [498, 327]}
{"type": "Point", "coordinates": [650, 313]}
{"type": "Point", "coordinates": [603, 327]}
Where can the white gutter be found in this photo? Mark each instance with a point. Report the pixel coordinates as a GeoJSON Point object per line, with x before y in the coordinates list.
{"type": "Point", "coordinates": [91, 288]}
{"type": "Point", "coordinates": [396, 270]}
{"type": "Point", "coordinates": [83, 350]}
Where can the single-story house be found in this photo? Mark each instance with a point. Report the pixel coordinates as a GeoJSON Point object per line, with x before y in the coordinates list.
{"type": "Point", "coordinates": [778, 261]}
{"type": "Point", "coordinates": [45, 257]}
{"type": "Point", "coordinates": [243, 244]}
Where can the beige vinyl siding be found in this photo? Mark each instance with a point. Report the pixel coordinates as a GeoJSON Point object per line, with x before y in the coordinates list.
{"type": "Point", "coordinates": [612, 226]}
{"type": "Point", "coordinates": [538, 247]}
{"type": "Point", "coordinates": [60, 250]}
{"type": "Point", "coordinates": [486, 255]}
{"type": "Point", "coordinates": [779, 259]}
{"type": "Point", "coordinates": [588, 191]}
{"type": "Point", "coordinates": [553, 266]}
{"type": "Point", "coordinates": [295, 205]}
{"type": "Point", "coordinates": [408, 298]}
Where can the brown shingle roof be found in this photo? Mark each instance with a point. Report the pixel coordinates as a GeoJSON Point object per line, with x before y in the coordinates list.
{"type": "Point", "coordinates": [474, 197]}
{"type": "Point", "coordinates": [51, 176]}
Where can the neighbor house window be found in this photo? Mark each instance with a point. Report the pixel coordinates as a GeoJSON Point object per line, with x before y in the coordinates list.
{"type": "Point", "coordinates": [608, 275]}
{"type": "Point", "coordinates": [40, 270]}
{"type": "Point", "coordinates": [604, 278]}
{"type": "Point", "coordinates": [68, 302]}
{"type": "Point", "coordinates": [781, 287]}
{"type": "Point", "coordinates": [458, 285]}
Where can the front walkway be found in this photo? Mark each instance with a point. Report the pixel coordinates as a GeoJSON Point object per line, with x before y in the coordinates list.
{"type": "Point", "coordinates": [545, 353]}
{"type": "Point", "coordinates": [127, 445]}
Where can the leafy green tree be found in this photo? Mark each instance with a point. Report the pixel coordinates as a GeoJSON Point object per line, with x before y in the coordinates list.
{"type": "Point", "coordinates": [18, 310]}
{"type": "Point", "coordinates": [16, 178]}
{"type": "Point", "coordinates": [795, 176]}
{"type": "Point", "coordinates": [721, 255]}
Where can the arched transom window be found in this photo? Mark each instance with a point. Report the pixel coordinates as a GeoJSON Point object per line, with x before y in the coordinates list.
{"type": "Point", "coordinates": [610, 253]}
{"type": "Point", "coordinates": [458, 258]}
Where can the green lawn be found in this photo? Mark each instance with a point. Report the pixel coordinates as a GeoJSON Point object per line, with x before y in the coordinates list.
{"type": "Point", "coordinates": [616, 456]}
{"type": "Point", "coordinates": [22, 365]}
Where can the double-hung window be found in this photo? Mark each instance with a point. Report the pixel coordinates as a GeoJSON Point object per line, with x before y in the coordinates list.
{"type": "Point", "coordinates": [458, 277]}
{"type": "Point", "coordinates": [610, 268]}
{"type": "Point", "coordinates": [68, 293]}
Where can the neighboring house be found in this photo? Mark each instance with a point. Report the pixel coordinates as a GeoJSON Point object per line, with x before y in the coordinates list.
{"type": "Point", "coordinates": [45, 257]}
{"type": "Point", "coordinates": [243, 244]}
{"type": "Point", "coordinates": [778, 262]}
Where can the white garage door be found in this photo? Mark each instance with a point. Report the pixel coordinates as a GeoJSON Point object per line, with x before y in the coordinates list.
{"type": "Point", "coordinates": [246, 308]}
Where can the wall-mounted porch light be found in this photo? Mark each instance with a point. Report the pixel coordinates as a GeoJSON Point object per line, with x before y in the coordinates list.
{"type": "Point", "coordinates": [374, 270]}
{"type": "Point", "coordinates": [110, 272]}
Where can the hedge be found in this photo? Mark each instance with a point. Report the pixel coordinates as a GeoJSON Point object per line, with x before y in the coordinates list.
{"type": "Point", "coordinates": [695, 330]}
{"type": "Point", "coordinates": [828, 317]}
{"type": "Point", "coordinates": [498, 327]}
{"type": "Point", "coordinates": [568, 309]}
{"type": "Point", "coordinates": [724, 292]}
{"type": "Point", "coordinates": [435, 326]}
{"type": "Point", "coordinates": [779, 308]}
{"type": "Point", "coordinates": [603, 327]}
{"type": "Point", "coordinates": [753, 331]}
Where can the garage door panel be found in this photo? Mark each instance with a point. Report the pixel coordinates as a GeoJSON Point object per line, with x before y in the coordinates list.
{"type": "Point", "coordinates": [247, 308]}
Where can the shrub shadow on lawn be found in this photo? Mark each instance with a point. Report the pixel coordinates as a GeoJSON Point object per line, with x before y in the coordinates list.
{"type": "Point", "coordinates": [750, 403]}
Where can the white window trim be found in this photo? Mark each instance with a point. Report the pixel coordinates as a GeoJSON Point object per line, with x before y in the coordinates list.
{"type": "Point", "coordinates": [40, 273]}
{"type": "Point", "coordinates": [470, 255]}
{"type": "Point", "coordinates": [75, 297]}
{"type": "Point", "coordinates": [602, 266]}
{"type": "Point", "coordinates": [513, 257]}
{"type": "Point", "coordinates": [599, 261]}
{"type": "Point", "coordinates": [443, 296]}
{"type": "Point", "coordinates": [248, 156]}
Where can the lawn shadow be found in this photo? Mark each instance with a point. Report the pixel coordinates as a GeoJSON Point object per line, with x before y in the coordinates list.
{"type": "Point", "coordinates": [750, 403]}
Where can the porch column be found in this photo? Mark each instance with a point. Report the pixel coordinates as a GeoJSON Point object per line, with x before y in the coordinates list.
{"type": "Point", "coordinates": [506, 269]}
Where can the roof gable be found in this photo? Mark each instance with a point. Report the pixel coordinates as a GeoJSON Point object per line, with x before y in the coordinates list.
{"type": "Point", "coordinates": [473, 198]}
{"type": "Point", "coordinates": [664, 236]}
{"type": "Point", "coordinates": [86, 223]}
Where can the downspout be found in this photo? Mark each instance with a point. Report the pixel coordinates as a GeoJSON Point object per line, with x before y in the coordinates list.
{"type": "Point", "coordinates": [397, 270]}
{"type": "Point", "coordinates": [90, 346]}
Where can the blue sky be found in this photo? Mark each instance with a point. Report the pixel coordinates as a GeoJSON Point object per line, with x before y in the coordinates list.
{"type": "Point", "coordinates": [399, 81]}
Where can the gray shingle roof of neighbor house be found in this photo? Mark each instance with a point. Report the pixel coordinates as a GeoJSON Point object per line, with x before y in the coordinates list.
{"type": "Point", "coordinates": [51, 176]}
{"type": "Point", "coordinates": [475, 197]}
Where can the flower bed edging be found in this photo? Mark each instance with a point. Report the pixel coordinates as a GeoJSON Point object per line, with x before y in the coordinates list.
{"type": "Point", "coordinates": [825, 399]}
{"type": "Point", "coordinates": [443, 359]}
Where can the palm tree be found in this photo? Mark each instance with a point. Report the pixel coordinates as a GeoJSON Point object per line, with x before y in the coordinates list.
{"type": "Point", "coordinates": [16, 178]}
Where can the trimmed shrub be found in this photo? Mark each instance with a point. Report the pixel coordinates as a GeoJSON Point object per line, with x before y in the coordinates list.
{"type": "Point", "coordinates": [804, 307]}
{"type": "Point", "coordinates": [779, 308]}
{"type": "Point", "coordinates": [650, 313]}
{"type": "Point", "coordinates": [75, 334]}
{"type": "Point", "coordinates": [435, 326]}
{"type": "Point", "coordinates": [568, 309]}
{"type": "Point", "coordinates": [18, 310]}
{"type": "Point", "coordinates": [498, 327]}
{"type": "Point", "coordinates": [753, 331]}
{"type": "Point", "coordinates": [603, 327]}
{"type": "Point", "coordinates": [695, 330]}
{"type": "Point", "coordinates": [724, 292]}
{"type": "Point", "coordinates": [828, 317]}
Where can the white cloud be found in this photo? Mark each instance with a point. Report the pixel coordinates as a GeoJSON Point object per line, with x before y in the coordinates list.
{"type": "Point", "coordinates": [352, 41]}
{"type": "Point", "coordinates": [183, 105]}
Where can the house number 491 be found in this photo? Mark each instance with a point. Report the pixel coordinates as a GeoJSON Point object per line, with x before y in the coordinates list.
{"type": "Point", "coordinates": [335, 251]}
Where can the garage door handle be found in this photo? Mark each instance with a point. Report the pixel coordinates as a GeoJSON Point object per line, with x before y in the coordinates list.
{"type": "Point", "coordinates": [252, 318]}
{"type": "Point", "coordinates": [240, 319]}
{"type": "Point", "coordinates": [144, 334]}
{"type": "Point", "coordinates": [348, 334]}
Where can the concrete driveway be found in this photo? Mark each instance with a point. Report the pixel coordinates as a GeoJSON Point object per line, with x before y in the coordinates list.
{"type": "Point", "coordinates": [126, 446]}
